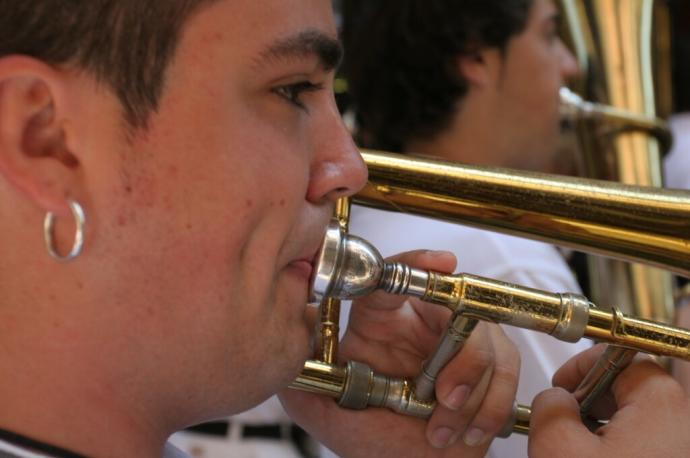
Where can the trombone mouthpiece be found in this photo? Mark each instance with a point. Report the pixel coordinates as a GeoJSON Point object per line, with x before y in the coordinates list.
{"type": "Point", "coordinates": [573, 106]}
{"type": "Point", "coordinates": [346, 266]}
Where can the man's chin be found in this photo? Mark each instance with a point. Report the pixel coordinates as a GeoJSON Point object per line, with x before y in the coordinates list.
{"type": "Point", "coordinates": [299, 349]}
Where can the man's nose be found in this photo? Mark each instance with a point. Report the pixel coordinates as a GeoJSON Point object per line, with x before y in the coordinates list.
{"type": "Point", "coordinates": [339, 170]}
{"type": "Point", "coordinates": [569, 66]}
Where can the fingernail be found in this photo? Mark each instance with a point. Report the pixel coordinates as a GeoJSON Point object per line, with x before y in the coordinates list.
{"type": "Point", "coordinates": [473, 437]}
{"type": "Point", "coordinates": [443, 437]}
{"type": "Point", "coordinates": [438, 253]}
{"type": "Point", "coordinates": [457, 397]}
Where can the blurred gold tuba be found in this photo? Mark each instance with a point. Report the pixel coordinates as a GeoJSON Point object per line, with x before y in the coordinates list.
{"type": "Point", "coordinates": [622, 47]}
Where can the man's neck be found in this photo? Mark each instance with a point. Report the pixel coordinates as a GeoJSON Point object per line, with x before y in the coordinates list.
{"type": "Point", "coordinates": [468, 139]}
{"type": "Point", "coordinates": [53, 397]}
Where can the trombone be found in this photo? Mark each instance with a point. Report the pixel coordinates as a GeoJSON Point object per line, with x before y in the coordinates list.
{"type": "Point", "coordinates": [626, 222]}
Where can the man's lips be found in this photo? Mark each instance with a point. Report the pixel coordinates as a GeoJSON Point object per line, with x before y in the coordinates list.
{"type": "Point", "coordinates": [303, 266]}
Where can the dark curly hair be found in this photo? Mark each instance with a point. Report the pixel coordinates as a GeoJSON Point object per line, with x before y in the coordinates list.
{"type": "Point", "coordinates": [126, 44]}
{"type": "Point", "coordinates": [400, 60]}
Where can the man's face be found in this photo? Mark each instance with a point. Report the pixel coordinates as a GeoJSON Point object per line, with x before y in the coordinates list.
{"type": "Point", "coordinates": [218, 208]}
{"type": "Point", "coordinates": [534, 67]}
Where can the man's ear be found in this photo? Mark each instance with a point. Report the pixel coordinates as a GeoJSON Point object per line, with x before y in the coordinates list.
{"type": "Point", "coordinates": [479, 68]}
{"type": "Point", "coordinates": [34, 155]}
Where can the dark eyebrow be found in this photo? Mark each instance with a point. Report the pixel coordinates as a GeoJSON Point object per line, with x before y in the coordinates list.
{"type": "Point", "coordinates": [307, 43]}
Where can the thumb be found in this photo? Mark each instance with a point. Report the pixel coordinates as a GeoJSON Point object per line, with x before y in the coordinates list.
{"type": "Point", "coordinates": [556, 428]}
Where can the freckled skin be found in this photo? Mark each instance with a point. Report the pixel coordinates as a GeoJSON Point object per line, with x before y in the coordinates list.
{"type": "Point", "coordinates": [222, 193]}
{"type": "Point", "coordinates": [191, 276]}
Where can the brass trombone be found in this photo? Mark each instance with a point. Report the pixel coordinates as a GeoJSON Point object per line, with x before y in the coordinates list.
{"type": "Point", "coordinates": [622, 221]}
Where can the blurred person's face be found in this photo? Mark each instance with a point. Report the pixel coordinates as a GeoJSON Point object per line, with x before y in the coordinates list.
{"type": "Point", "coordinates": [535, 66]}
{"type": "Point", "coordinates": [207, 223]}
{"type": "Point", "coordinates": [519, 94]}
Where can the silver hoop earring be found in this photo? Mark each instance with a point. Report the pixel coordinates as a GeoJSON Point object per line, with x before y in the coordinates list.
{"type": "Point", "coordinates": [79, 220]}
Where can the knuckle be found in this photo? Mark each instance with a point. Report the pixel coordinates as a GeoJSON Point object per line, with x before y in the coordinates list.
{"type": "Point", "coordinates": [548, 395]}
{"type": "Point", "coordinates": [493, 415]}
{"type": "Point", "coordinates": [505, 375]}
{"type": "Point", "coordinates": [545, 403]}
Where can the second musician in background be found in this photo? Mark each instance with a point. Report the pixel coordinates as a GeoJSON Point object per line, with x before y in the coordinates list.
{"type": "Point", "coordinates": [475, 82]}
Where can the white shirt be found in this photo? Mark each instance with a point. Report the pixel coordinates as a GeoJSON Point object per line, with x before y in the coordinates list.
{"type": "Point", "coordinates": [170, 451]}
{"type": "Point", "coordinates": [677, 163]}
{"type": "Point", "coordinates": [268, 412]}
{"type": "Point", "coordinates": [15, 451]}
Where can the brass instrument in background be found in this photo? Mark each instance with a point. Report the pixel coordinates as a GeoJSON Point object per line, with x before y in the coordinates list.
{"type": "Point", "coordinates": [622, 48]}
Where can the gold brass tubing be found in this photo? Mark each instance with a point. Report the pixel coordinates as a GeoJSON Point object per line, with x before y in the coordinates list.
{"type": "Point", "coordinates": [563, 316]}
{"type": "Point", "coordinates": [638, 334]}
{"type": "Point", "coordinates": [627, 122]}
{"type": "Point", "coordinates": [328, 336]}
{"type": "Point", "coordinates": [321, 378]}
{"type": "Point", "coordinates": [574, 108]}
{"type": "Point", "coordinates": [329, 329]}
{"type": "Point", "coordinates": [499, 302]}
{"type": "Point", "coordinates": [342, 383]}
{"type": "Point", "coordinates": [357, 386]}
{"type": "Point", "coordinates": [621, 221]}
{"type": "Point", "coordinates": [524, 414]}
{"type": "Point", "coordinates": [342, 212]}
{"type": "Point", "coordinates": [522, 422]}
{"type": "Point", "coordinates": [619, 134]}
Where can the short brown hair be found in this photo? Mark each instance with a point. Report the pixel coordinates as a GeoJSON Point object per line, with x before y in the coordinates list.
{"type": "Point", "coordinates": [126, 44]}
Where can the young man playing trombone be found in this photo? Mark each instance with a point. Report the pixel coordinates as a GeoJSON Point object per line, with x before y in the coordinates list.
{"type": "Point", "coordinates": [167, 170]}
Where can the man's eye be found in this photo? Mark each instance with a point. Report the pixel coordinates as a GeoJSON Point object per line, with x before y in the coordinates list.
{"type": "Point", "coordinates": [555, 31]}
{"type": "Point", "coordinates": [293, 92]}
